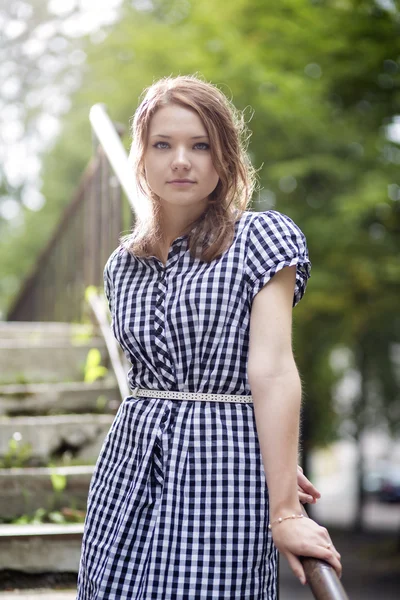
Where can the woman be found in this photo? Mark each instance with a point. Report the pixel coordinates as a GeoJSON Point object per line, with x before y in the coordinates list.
{"type": "Point", "coordinates": [196, 486]}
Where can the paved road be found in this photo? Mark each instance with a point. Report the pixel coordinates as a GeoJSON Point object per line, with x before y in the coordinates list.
{"type": "Point", "coordinates": [371, 568]}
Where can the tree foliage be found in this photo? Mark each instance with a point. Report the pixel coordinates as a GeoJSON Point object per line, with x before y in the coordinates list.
{"type": "Point", "coordinates": [320, 84]}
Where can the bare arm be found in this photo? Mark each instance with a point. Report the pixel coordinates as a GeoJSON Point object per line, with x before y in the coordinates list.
{"type": "Point", "coordinates": [276, 389]}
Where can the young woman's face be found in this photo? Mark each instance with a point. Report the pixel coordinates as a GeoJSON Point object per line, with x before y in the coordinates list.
{"type": "Point", "coordinates": [177, 159]}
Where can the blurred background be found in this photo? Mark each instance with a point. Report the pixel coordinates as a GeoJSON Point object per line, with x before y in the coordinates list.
{"type": "Point", "coordinates": [319, 82]}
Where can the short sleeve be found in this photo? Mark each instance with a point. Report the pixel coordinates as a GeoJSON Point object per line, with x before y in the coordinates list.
{"type": "Point", "coordinates": [274, 242]}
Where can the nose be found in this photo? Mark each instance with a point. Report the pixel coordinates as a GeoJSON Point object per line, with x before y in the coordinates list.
{"type": "Point", "coordinates": [180, 159]}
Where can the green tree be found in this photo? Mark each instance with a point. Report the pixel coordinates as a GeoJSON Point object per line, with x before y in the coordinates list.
{"type": "Point", "coordinates": [320, 82]}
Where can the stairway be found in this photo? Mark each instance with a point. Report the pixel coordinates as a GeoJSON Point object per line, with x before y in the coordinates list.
{"type": "Point", "coordinates": [52, 426]}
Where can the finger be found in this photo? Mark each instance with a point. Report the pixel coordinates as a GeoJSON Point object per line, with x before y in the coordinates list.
{"type": "Point", "coordinates": [296, 567]}
{"type": "Point", "coordinates": [336, 558]}
{"type": "Point", "coordinates": [332, 560]}
{"type": "Point", "coordinates": [307, 486]}
{"type": "Point", "coordinates": [336, 564]}
{"type": "Point", "coordinates": [336, 553]}
{"type": "Point", "coordinates": [305, 498]}
{"type": "Point", "coordinates": [325, 538]}
{"type": "Point", "coordinates": [326, 554]}
{"type": "Point", "coordinates": [317, 550]}
{"type": "Point", "coordinates": [332, 547]}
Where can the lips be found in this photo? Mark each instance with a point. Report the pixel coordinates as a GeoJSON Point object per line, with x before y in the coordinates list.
{"type": "Point", "coordinates": [181, 181]}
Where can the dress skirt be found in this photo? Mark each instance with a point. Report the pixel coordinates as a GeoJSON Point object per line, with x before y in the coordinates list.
{"type": "Point", "coordinates": [178, 506]}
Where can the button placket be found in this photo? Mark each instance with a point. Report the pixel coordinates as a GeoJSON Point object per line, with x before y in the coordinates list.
{"type": "Point", "coordinates": [160, 346]}
{"type": "Point", "coordinates": [159, 313]}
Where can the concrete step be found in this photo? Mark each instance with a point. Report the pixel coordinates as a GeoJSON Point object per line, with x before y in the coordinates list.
{"type": "Point", "coordinates": [50, 361]}
{"type": "Point", "coordinates": [59, 398]}
{"type": "Point", "coordinates": [34, 331]}
{"type": "Point", "coordinates": [37, 440]}
{"type": "Point", "coordinates": [23, 491]}
{"type": "Point", "coordinates": [41, 594]}
{"type": "Point", "coordinates": [41, 548]}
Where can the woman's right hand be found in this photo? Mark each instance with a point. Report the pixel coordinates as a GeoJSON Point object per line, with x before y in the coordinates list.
{"type": "Point", "coordinates": [304, 537]}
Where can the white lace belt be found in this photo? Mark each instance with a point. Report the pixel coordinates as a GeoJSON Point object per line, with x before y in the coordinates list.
{"type": "Point", "coordinates": [141, 392]}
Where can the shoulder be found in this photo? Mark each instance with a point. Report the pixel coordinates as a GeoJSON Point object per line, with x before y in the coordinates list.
{"type": "Point", "coordinates": [273, 222]}
{"type": "Point", "coordinates": [274, 241]}
{"type": "Point", "coordinates": [275, 231]}
{"type": "Point", "coordinates": [120, 258]}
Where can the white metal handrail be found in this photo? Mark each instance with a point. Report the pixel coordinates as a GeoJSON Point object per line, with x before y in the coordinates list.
{"type": "Point", "coordinates": [110, 141]}
{"type": "Point", "coordinates": [99, 308]}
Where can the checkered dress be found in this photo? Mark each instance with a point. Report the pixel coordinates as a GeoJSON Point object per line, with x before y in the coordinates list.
{"type": "Point", "coordinates": [178, 503]}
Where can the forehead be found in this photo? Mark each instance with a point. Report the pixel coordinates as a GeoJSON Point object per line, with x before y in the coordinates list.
{"type": "Point", "coordinates": [174, 119]}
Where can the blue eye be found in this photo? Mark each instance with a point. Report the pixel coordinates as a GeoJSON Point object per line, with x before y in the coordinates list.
{"type": "Point", "coordinates": [161, 145]}
{"type": "Point", "coordinates": [165, 146]}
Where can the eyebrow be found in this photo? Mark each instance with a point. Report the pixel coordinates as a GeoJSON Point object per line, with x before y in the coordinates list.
{"type": "Point", "coordinates": [195, 137]}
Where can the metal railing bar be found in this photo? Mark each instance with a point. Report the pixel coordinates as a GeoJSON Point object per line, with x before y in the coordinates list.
{"type": "Point", "coordinates": [322, 578]}
{"type": "Point", "coordinates": [113, 148]}
{"type": "Point", "coordinates": [98, 307]}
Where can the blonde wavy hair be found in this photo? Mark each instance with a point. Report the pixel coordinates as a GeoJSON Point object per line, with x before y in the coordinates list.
{"type": "Point", "coordinates": [213, 232]}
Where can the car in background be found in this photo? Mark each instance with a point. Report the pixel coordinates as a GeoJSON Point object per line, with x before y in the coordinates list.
{"type": "Point", "coordinates": [372, 482]}
{"type": "Point", "coordinates": [390, 485]}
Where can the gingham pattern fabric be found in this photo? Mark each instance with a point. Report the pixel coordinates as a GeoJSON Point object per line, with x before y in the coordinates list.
{"type": "Point", "coordinates": [178, 503]}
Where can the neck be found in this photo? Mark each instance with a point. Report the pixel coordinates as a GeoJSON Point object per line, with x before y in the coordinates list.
{"type": "Point", "coordinates": [175, 223]}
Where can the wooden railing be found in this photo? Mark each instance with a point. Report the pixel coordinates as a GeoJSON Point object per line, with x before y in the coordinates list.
{"type": "Point", "coordinates": [75, 256]}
